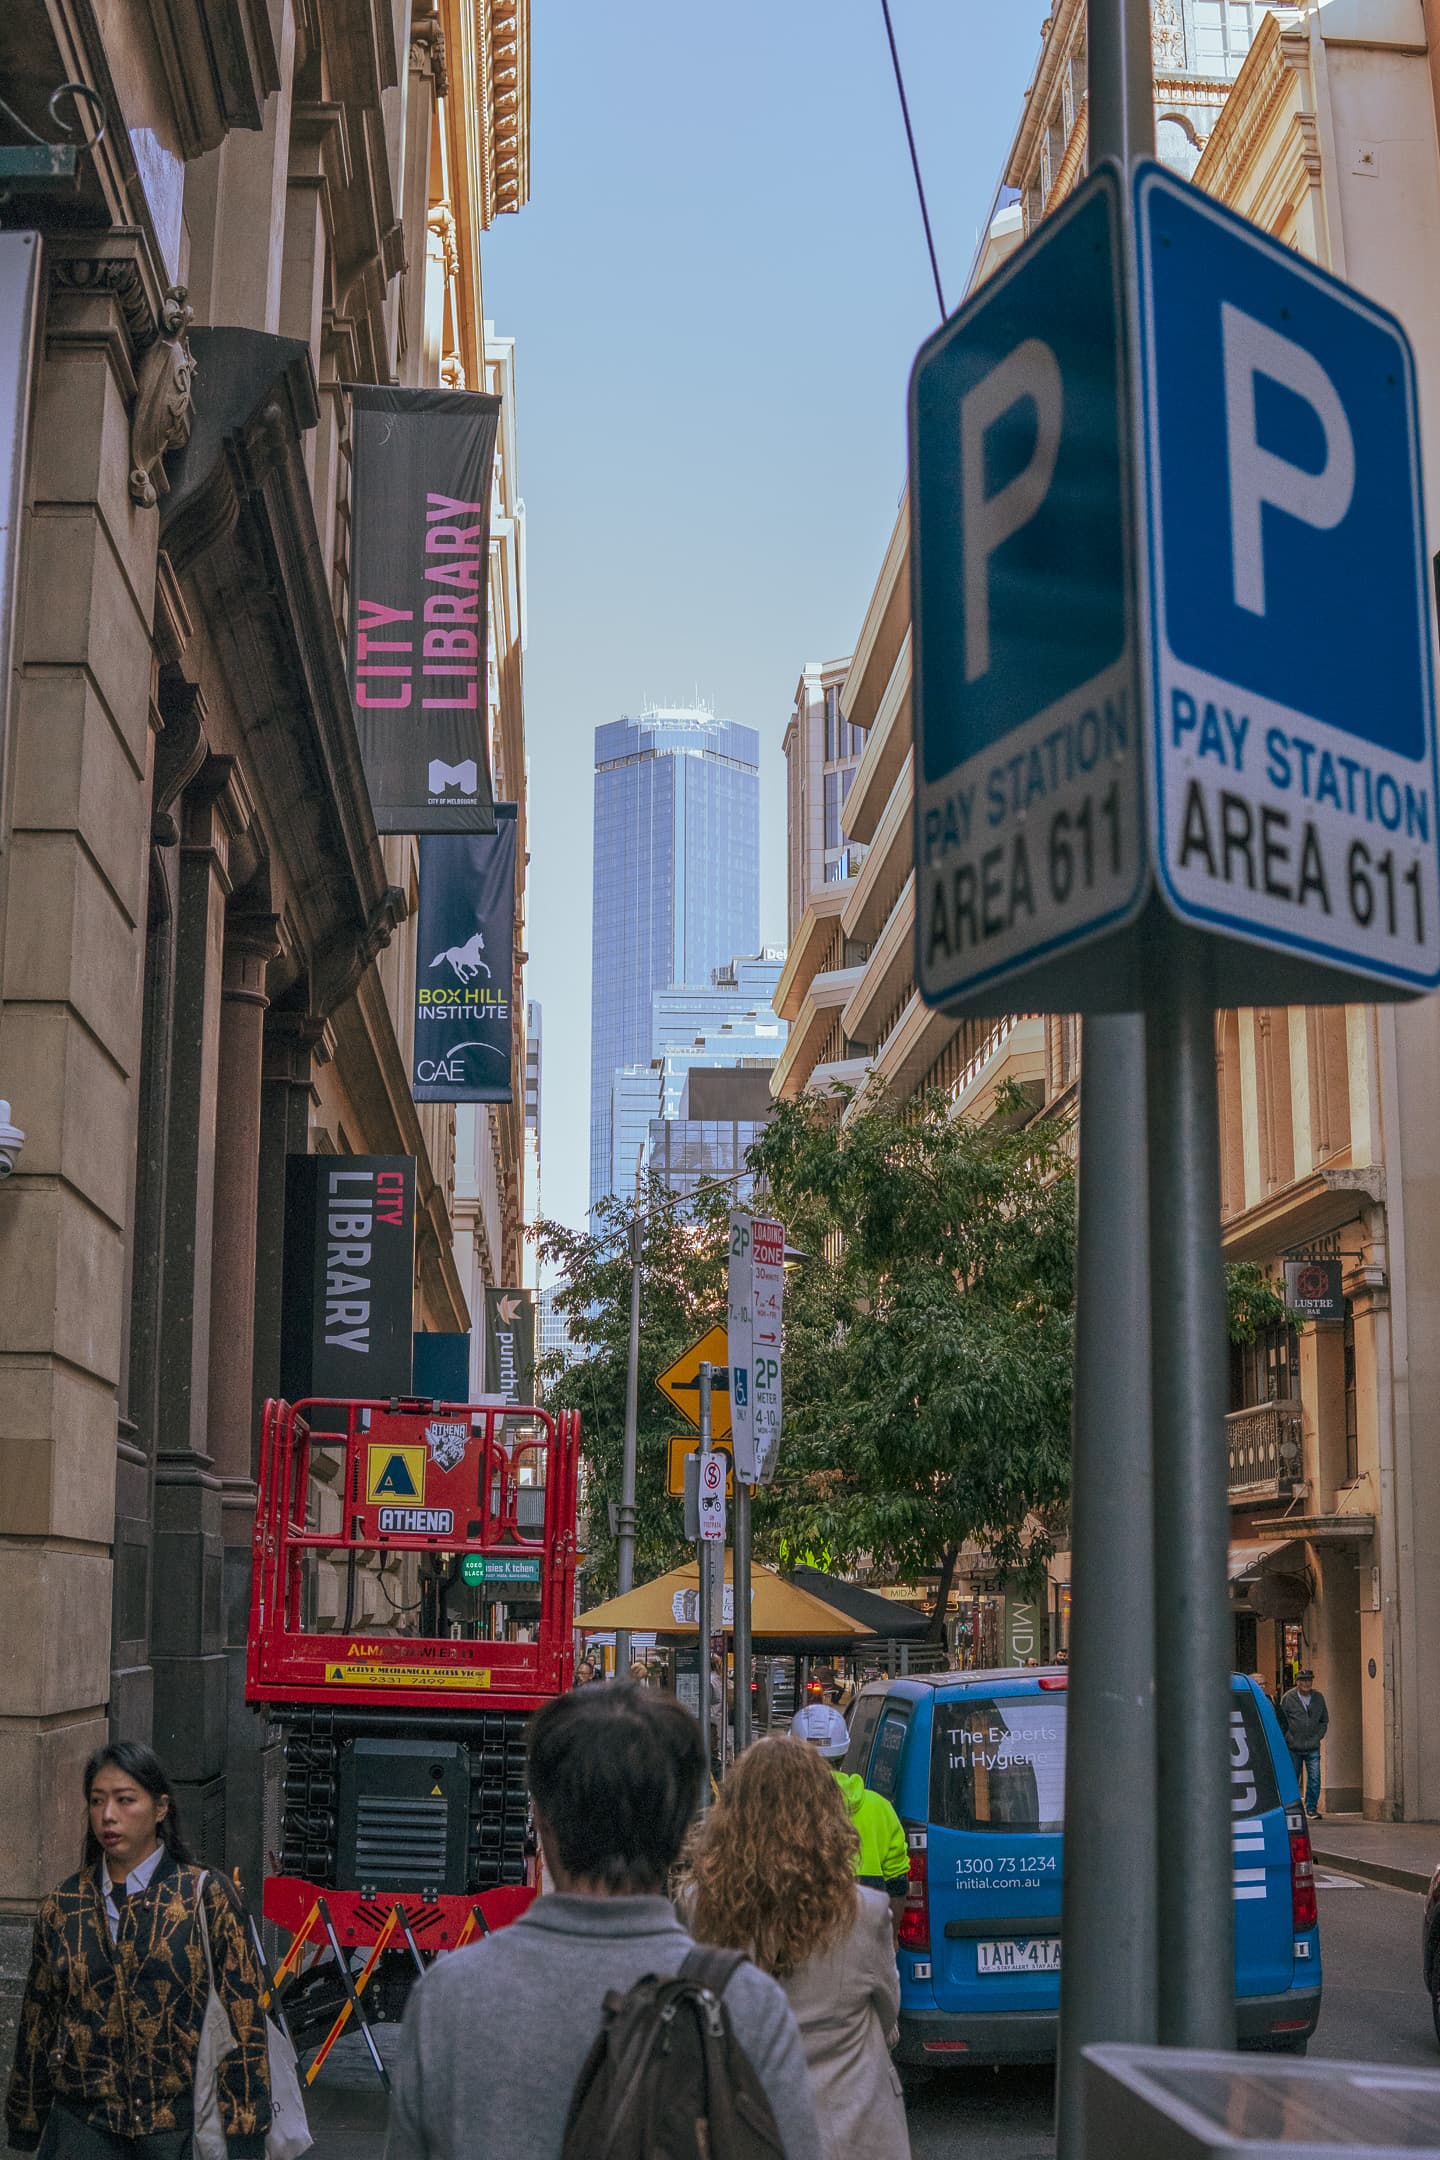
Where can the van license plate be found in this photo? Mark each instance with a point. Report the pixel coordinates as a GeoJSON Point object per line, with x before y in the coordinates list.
{"type": "Point", "coordinates": [1022, 1955]}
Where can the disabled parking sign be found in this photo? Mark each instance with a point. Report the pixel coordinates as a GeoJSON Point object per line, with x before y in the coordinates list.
{"type": "Point", "coordinates": [1172, 618]}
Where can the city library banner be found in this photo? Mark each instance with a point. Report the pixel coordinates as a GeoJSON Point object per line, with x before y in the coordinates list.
{"type": "Point", "coordinates": [419, 553]}
{"type": "Point", "coordinates": [464, 961]}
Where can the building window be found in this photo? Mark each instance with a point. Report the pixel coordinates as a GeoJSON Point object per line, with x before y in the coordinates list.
{"type": "Point", "coordinates": [833, 800]}
{"type": "Point", "coordinates": [1352, 1420]}
{"type": "Point", "coordinates": [1223, 33]}
{"type": "Point", "coordinates": [834, 725]}
{"type": "Point", "coordinates": [1267, 1370]}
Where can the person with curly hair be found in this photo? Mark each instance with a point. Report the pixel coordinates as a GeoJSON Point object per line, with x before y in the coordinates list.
{"type": "Point", "coordinates": [771, 1871]}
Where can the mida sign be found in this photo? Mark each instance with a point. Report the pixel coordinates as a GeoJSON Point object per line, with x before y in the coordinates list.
{"type": "Point", "coordinates": [1172, 623]}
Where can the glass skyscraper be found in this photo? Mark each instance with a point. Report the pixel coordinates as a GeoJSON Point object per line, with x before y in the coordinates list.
{"type": "Point", "coordinates": [677, 880]}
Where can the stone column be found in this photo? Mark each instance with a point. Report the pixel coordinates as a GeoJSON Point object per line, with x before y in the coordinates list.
{"type": "Point", "coordinates": [295, 1042]}
{"type": "Point", "coordinates": [250, 944]}
{"type": "Point", "coordinates": [78, 814]}
{"type": "Point", "coordinates": [187, 1619]}
{"type": "Point", "coordinates": [1379, 1685]}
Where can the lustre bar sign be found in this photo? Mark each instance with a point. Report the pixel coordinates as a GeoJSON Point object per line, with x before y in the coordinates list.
{"type": "Point", "coordinates": [419, 552]}
{"type": "Point", "coordinates": [349, 1276]}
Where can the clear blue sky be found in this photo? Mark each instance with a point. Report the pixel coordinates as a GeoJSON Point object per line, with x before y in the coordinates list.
{"type": "Point", "coordinates": [716, 290]}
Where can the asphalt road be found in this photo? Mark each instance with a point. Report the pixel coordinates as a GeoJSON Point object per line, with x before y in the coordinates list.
{"type": "Point", "coordinates": [1375, 2011]}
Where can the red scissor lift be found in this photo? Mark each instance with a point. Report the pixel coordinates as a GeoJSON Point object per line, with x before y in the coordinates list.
{"type": "Point", "coordinates": [406, 1827]}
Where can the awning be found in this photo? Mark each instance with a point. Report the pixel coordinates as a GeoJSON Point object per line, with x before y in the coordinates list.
{"type": "Point", "coordinates": [778, 1610]}
{"type": "Point", "coordinates": [882, 1616]}
{"type": "Point", "coordinates": [1247, 1559]}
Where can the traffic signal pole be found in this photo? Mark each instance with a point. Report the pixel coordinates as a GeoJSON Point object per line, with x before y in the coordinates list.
{"type": "Point", "coordinates": [1111, 1886]}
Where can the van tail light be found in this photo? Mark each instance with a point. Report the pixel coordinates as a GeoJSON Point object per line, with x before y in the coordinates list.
{"type": "Point", "coordinates": [1305, 1910]}
{"type": "Point", "coordinates": [915, 1912]}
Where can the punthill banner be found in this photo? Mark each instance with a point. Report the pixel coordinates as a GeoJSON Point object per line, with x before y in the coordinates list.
{"type": "Point", "coordinates": [419, 555]}
{"type": "Point", "coordinates": [464, 961]}
{"type": "Point", "coordinates": [510, 1346]}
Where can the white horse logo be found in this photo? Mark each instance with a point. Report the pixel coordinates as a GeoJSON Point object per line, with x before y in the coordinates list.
{"type": "Point", "coordinates": [464, 959]}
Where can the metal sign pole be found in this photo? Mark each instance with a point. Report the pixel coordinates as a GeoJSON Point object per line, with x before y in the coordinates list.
{"type": "Point", "coordinates": [1196, 1964]}
{"type": "Point", "coordinates": [1107, 1988]}
{"type": "Point", "coordinates": [741, 1571]}
{"type": "Point", "coordinates": [706, 1617]}
{"type": "Point", "coordinates": [625, 1556]}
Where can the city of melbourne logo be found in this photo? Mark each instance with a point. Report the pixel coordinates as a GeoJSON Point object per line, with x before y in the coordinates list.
{"type": "Point", "coordinates": [447, 1440]}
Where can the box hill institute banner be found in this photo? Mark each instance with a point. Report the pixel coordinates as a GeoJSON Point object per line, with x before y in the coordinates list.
{"type": "Point", "coordinates": [419, 551]}
{"type": "Point", "coordinates": [463, 964]}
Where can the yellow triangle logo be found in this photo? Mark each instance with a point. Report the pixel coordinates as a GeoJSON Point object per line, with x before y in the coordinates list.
{"type": "Point", "coordinates": [435, 1793]}
{"type": "Point", "coordinates": [395, 1474]}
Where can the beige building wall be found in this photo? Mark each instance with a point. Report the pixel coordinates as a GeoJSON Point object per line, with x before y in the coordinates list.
{"type": "Point", "coordinates": [192, 892]}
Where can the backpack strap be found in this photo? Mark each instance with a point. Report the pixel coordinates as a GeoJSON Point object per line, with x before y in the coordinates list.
{"type": "Point", "coordinates": [714, 1969]}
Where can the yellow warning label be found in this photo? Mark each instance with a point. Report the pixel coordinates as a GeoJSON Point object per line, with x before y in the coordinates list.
{"type": "Point", "coordinates": [394, 1473]}
{"type": "Point", "coordinates": [431, 1676]}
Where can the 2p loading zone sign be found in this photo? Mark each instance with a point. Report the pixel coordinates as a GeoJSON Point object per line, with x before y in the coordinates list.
{"type": "Point", "coordinates": [1172, 617]}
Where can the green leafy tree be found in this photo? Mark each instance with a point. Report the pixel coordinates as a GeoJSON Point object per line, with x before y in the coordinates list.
{"type": "Point", "coordinates": [683, 1292]}
{"type": "Point", "coordinates": [929, 1338]}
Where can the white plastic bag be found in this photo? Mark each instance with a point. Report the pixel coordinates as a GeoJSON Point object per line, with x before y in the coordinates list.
{"type": "Point", "coordinates": [289, 2133]}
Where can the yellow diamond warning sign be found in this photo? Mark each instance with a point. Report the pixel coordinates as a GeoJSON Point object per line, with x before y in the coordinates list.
{"type": "Point", "coordinates": [426, 1676]}
{"type": "Point", "coordinates": [395, 1474]}
{"type": "Point", "coordinates": [679, 1380]}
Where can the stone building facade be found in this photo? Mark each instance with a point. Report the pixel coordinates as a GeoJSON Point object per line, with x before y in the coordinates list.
{"type": "Point", "coordinates": [1319, 122]}
{"type": "Point", "coordinates": [206, 949]}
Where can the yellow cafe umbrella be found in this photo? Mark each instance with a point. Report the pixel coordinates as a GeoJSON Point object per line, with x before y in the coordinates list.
{"type": "Point", "coordinates": [669, 1606]}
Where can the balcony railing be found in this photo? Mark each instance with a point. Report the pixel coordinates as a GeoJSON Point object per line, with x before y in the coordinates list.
{"type": "Point", "coordinates": [1263, 1447]}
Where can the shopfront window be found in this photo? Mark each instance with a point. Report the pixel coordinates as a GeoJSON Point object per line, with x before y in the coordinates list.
{"type": "Point", "coordinates": [1266, 1370]}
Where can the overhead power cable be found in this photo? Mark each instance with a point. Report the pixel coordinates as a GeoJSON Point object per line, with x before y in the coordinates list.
{"type": "Point", "coordinates": [914, 159]}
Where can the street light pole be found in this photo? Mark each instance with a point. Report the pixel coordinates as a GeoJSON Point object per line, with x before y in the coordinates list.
{"type": "Point", "coordinates": [705, 1619]}
{"type": "Point", "coordinates": [625, 1557]}
{"type": "Point", "coordinates": [1111, 1888]}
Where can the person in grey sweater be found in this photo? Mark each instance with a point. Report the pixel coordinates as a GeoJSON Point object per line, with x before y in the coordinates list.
{"type": "Point", "coordinates": [495, 2036]}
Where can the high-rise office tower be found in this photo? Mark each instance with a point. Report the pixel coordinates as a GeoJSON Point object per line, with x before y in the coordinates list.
{"type": "Point", "coordinates": [677, 879]}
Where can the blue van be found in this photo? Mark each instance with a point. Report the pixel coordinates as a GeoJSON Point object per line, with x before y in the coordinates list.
{"type": "Point", "coordinates": [974, 1765]}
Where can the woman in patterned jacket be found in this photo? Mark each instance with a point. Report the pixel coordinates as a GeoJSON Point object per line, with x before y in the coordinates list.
{"type": "Point", "coordinates": [110, 2024]}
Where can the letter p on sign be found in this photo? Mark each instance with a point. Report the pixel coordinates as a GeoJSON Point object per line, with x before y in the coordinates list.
{"type": "Point", "coordinates": [1257, 477]}
{"type": "Point", "coordinates": [1030, 374]}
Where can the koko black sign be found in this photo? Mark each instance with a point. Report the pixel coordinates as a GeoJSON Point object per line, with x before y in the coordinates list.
{"type": "Point", "coordinates": [419, 554]}
{"type": "Point", "coordinates": [349, 1275]}
{"type": "Point", "coordinates": [464, 965]}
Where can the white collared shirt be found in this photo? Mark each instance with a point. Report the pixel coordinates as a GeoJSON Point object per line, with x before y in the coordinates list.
{"type": "Point", "coordinates": [137, 1880]}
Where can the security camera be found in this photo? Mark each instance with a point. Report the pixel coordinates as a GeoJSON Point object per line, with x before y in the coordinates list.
{"type": "Point", "coordinates": [11, 1142]}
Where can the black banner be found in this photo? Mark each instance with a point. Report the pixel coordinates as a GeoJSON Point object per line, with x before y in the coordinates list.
{"type": "Point", "coordinates": [348, 1323]}
{"type": "Point", "coordinates": [464, 963]}
{"type": "Point", "coordinates": [419, 561]}
{"type": "Point", "coordinates": [510, 1345]}
{"type": "Point", "coordinates": [1313, 1289]}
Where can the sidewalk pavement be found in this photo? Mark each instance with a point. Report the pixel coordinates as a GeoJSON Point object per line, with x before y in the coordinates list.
{"type": "Point", "coordinates": [1405, 1855]}
{"type": "Point", "coordinates": [346, 2105]}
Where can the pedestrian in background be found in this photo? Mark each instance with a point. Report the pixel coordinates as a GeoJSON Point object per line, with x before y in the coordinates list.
{"type": "Point", "coordinates": [495, 2036]}
{"type": "Point", "coordinates": [1305, 1720]}
{"type": "Point", "coordinates": [771, 1871]}
{"type": "Point", "coordinates": [116, 1998]}
{"type": "Point", "coordinates": [585, 1672]}
{"type": "Point", "coordinates": [883, 1861]}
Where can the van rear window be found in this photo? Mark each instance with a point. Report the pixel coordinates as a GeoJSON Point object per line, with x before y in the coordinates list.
{"type": "Point", "coordinates": [998, 1764]}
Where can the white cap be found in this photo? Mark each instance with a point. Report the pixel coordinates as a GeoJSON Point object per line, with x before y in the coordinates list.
{"type": "Point", "coordinates": [822, 1727]}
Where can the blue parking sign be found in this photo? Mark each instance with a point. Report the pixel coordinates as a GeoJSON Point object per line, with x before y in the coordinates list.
{"type": "Point", "coordinates": [1295, 783]}
{"type": "Point", "coordinates": [1028, 830]}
